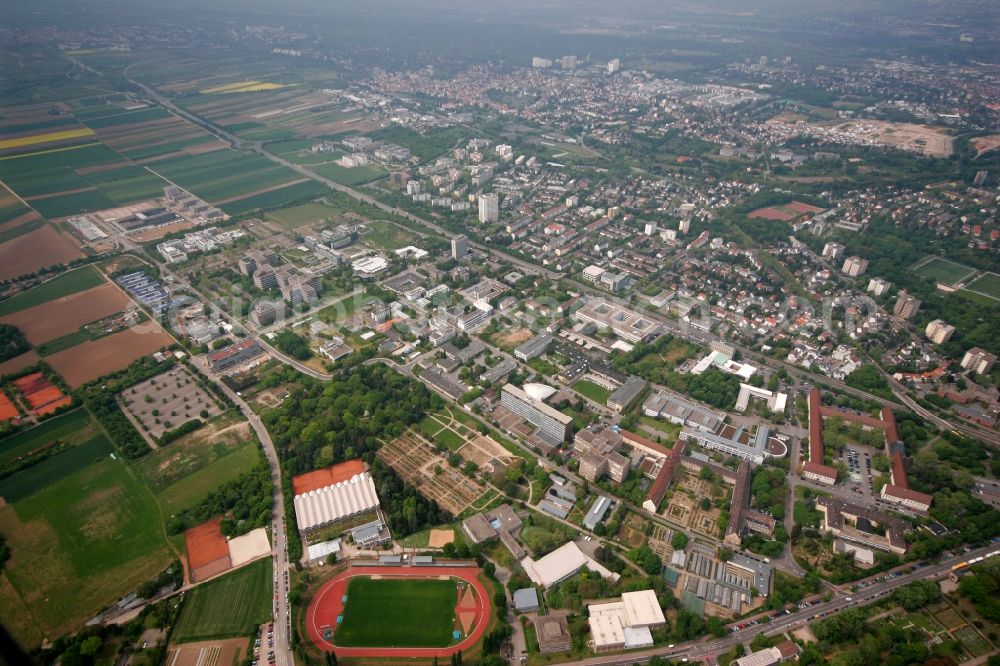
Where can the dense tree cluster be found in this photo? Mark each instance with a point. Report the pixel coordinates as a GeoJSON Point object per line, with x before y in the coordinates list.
{"type": "Point", "coordinates": [348, 417]}
{"type": "Point", "coordinates": [12, 342]}
{"type": "Point", "coordinates": [293, 344]}
{"type": "Point", "coordinates": [244, 503]}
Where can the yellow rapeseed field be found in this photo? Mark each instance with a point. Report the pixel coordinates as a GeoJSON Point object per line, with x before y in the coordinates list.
{"type": "Point", "coordinates": [242, 86]}
{"type": "Point", "coordinates": [49, 137]}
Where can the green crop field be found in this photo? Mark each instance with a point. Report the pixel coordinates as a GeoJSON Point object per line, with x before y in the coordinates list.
{"type": "Point", "coordinates": [987, 284]}
{"type": "Point", "coordinates": [43, 474]}
{"type": "Point", "coordinates": [595, 392]}
{"type": "Point", "coordinates": [64, 285]}
{"type": "Point", "coordinates": [228, 606]}
{"type": "Point", "coordinates": [71, 204]}
{"type": "Point", "coordinates": [127, 118]}
{"type": "Point", "coordinates": [65, 427]}
{"type": "Point", "coordinates": [398, 613]}
{"type": "Point", "coordinates": [942, 270]}
{"type": "Point", "coordinates": [276, 198]}
{"type": "Point", "coordinates": [80, 543]}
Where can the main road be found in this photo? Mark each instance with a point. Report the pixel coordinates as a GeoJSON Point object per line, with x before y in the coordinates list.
{"type": "Point", "coordinates": [279, 530]}
{"type": "Point", "coordinates": [708, 650]}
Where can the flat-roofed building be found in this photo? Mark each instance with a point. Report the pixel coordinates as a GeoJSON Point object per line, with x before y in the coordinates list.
{"type": "Point", "coordinates": [770, 656]}
{"type": "Point", "coordinates": [862, 524]}
{"type": "Point", "coordinates": [562, 563]}
{"type": "Point", "coordinates": [553, 426]}
{"type": "Point", "coordinates": [552, 633]}
{"type": "Point", "coordinates": [626, 324]}
{"type": "Point", "coordinates": [534, 347]}
{"type": "Point", "coordinates": [234, 354]}
{"type": "Point", "coordinates": [625, 624]}
{"type": "Point", "coordinates": [682, 411]}
{"type": "Point", "coordinates": [621, 398]}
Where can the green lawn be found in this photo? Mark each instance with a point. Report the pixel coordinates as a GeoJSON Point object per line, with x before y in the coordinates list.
{"type": "Point", "coordinates": [47, 472]}
{"type": "Point", "coordinates": [64, 285]}
{"type": "Point", "coordinates": [943, 271]}
{"type": "Point", "coordinates": [398, 613]}
{"type": "Point", "coordinates": [194, 487]}
{"type": "Point", "coordinates": [79, 543]}
{"type": "Point", "coordinates": [450, 439]}
{"type": "Point", "coordinates": [595, 392]}
{"type": "Point", "coordinates": [296, 216]}
{"type": "Point", "coordinates": [387, 236]}
{"type": "Point", "coordinates": [227, 607]}
{"type": "Point", "coordinates": [987, 283]}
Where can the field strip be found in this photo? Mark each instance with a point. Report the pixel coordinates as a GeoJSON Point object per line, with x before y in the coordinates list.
{"type": "Point", "coordinates": [35, 139]}
{"type": "Point", "coordinates": [265, 190]}
{"type": "Point", "coordinates": [50, 150]}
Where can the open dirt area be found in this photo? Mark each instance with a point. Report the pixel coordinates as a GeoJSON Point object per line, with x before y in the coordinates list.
{"type": "Point", "coordinates": [168, 400]}
{"type": "Point", "coordinates": [65, 315]}
{"type": "Point", "coordinates": [985, 144]}
{"type": "Point", "coordinates": [208, 653]}
{"type": "Point", "coordinates": [37, 249]}
{"type": "Point", "coordinates": [440, 538]}
{"type": "Point", "coordinates": [513, 338]}
{"type": "Point", "coordinates": [482, 449]}
{"type": "Point", "coordinates": [249, 546]}
{"type": "Point", "coordinates": [95, 358]}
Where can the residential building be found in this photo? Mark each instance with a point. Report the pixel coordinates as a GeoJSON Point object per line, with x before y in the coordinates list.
{"type": "Point", "coordinates": [878, 287]}
{"type": "Point", "coordinates": [939, 332]}
{"type": "Point", "coordinates": [978, 361]}
{"type": "Point", "coordinates": [906, 305]}
{"type": "Point", "coordinates": [855, 266]}
{"type": "Point", "coordinates": [459, 247]}
{"type": "Point", "coordinates": [489, 208]}
{"type": "Point", "coordinates": [833, 251]}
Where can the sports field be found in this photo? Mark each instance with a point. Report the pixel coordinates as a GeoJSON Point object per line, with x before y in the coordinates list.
{"type": "Point", "coordinates": [595, 392]}
{"type": "Point", "coordinates": [942, 270]}
{"type": "Point", "coordinates": [987, 284]}
{"type": "Point", "coordinates": [231, 605]}
{"type": "Point", "coordinates": [398, 612]}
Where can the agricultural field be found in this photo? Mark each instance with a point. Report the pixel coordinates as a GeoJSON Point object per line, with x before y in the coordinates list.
{"type": "Point", "coordinates": [71, 428]}
{"type": "Point", "coordinates": [67, 283]}
{"type": "Point", "coordinates": [943, 271]}
{"type": "Point", "coordinates": [96, 358]}
{"type": "Point", "coordinates": [36, 249]}
{"type": "Point", "coordinates": [86, 533]}
{"type": "Point", "coordinates": [62, 316]}
{"type": "Point", "coordinates": [375, 616]}
{"type": "Point", "coordinates": [229, 606]}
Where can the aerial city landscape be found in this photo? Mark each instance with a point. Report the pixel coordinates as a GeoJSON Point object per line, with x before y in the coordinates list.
{"type": "Point", "coordinates": [421, 331]}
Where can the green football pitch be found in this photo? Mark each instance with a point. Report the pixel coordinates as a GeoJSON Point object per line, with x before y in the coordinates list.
{"type": "Point", "coordinates": [411, 612]}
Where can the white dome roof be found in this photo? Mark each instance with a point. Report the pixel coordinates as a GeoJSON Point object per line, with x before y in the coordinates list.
{"type": "Point", "coordinates": [539, 391]}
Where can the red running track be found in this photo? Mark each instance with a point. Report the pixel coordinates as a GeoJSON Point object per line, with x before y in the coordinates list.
{"type": "Point", "coordinates": [327, 604]}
